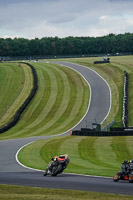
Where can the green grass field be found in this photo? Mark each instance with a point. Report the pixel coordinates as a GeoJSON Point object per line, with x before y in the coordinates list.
{"type": "Point", "coordinates": [13, 92]}
{"type": "Point", "coordinates": [61, 101]}
{"type": "Point", "coordinates": [100, 156]}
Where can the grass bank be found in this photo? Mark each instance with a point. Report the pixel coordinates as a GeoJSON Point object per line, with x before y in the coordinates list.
{"type": "Point", "coordinates": [30, 193]}
{"type": "Point", "coordinates": [60, 102]}
{"type": "Point", "coordinates": [100, 156]}
{"type": "Point", "coordinates": [16, 82]}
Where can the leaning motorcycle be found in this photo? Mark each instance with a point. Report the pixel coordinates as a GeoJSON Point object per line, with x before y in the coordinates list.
{"type": "Point", "coordinates": [55, 168]}
{"type": "Point", "coordinates": [126, 177]}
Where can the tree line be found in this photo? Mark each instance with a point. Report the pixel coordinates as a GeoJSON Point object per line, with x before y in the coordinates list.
{"type": "Point", "coordinates": [109, 44]}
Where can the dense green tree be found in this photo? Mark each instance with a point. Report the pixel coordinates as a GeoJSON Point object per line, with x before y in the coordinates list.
{"type": "Point", "coordinates": [69, 46]}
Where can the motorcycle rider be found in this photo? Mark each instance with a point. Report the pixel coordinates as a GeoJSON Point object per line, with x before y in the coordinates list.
{"type": "Point", "coordinates": [125, 167]}
{"type": "Point", "coordinates": [58, 159]}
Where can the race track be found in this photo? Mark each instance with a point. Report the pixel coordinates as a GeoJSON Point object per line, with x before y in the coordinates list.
{"type": "Point", "coordinates": [100, 101]}
{"type": "Point", "coordinates": [67, 181]}
{"type": "Point", "coordinates": [13, 173]}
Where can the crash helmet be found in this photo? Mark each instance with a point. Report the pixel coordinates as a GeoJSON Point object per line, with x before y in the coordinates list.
{"type": "Point", "coordinates": [131, 161]}
{"type": "Point", "coordinates": [66, 155]}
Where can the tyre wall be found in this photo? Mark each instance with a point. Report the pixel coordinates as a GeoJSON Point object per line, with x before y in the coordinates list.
{"type": "Point", "coordinates": [102, 133]}
{"type": "Point", "coordinates": [125, 101]}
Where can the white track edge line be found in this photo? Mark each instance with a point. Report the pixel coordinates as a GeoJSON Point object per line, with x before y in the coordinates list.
{"type": "Point", "coordinates": [16, 156]}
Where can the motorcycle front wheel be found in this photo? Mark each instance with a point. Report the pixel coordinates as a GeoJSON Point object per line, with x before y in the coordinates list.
{"type": "Point", "coordinates": [117, 177]}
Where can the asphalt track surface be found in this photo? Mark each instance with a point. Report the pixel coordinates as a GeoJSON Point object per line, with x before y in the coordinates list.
{"type": "Point", "coordinates": [13, 173]}
{"type": "Point", "coordinates": [99, 98]}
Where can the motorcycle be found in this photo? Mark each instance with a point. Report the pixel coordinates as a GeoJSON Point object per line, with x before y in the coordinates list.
{"type": "Point", "coordinates": [56, 167]}
{"type": "Point", "coordinates": [120, 176]}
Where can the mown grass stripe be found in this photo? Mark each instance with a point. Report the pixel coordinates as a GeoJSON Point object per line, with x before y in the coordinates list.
{"type": "Point", "coordinates": [105, 152]}
{"type": "Point", "coordinates": [14, 77]}
{"type": "Point", "coordinates": [53, 104]}
{"type": "Point", "coordinates": [62, 102]}
{"type": "Point", "coordinates": [29, 115]}
{"type": "Point", "coordinates": [46, 97]}
{"type": "Point", "coordinates": [129, 142]}
{"type": "Point", "coordinates": [66, 105]}
{"type": "Point", "coordinates": [35, 120]}
{"type": "Point", "coordinates": [28, 84]}
{"type": "Point", "coordinates": [35, 109]}
{"type": "Point", "coordinates": [86, 150]}
{"type": "Point", "coordinates": [88, 155]}
{"type": "Point", "coordinates": [76, 102]}
{"type": "Point", "coordinates": [79, 108]}
{"type": "Point", "coordinates": [121, 149]}
{"type": "Point", "coordinates": [71, 147]}
{"type": "Point", "coordinates": [5, 80]}
{"type": "Point", "coordinates": [10, 85]}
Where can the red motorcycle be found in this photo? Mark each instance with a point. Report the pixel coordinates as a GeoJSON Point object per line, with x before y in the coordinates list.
{"type": "Point", "coordinates": [120, 176]}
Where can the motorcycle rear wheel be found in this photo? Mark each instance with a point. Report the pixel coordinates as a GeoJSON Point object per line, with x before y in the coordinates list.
{"type": "Point", "coordinates": [56, 170]}
{"type": "Point", "coordinates": [130, 178]}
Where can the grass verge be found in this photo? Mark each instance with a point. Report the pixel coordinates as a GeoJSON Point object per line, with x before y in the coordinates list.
{"type": "Point", "coordinates": [100, 156]}
{"type": "Point", "coordinates": [30, 193]}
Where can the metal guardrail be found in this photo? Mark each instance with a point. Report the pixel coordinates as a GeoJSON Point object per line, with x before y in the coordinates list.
{"type": "Point", "coordinates": [108, 126]}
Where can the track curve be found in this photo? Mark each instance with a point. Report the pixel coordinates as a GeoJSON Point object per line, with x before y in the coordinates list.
{"type": "Point", "coordinates": [100, 97]}
{"type": "Point", "coordinates": [12, 173]}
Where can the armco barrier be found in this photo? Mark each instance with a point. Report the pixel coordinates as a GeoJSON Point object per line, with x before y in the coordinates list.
{"type": "Point", "coordinates": [25, 104]}
{"type": "Point", "coordinates": [102, 133]}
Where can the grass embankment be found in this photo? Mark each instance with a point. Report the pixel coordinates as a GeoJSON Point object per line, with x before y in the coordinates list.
{"type": "Point", "coordinates": [31, 193]}
{"type": "Point", "coordinates": [60, 102]}
{"type": "Point", "coordinates": [88, 155]}
{"type": "Point", "coordinates": [113, 73]}
{"type": "Point", "coordinates": [16, 82]}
